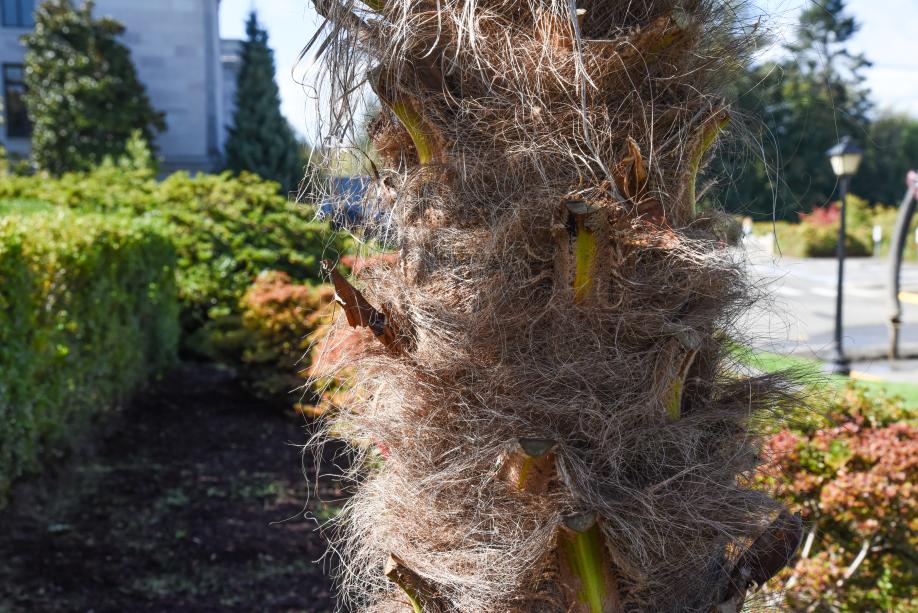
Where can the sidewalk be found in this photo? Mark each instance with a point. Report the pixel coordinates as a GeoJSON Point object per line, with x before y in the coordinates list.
{"type": "Point", "coordinates": [901, 371]}
{"type": "Point", "coordinates": [798, 314]}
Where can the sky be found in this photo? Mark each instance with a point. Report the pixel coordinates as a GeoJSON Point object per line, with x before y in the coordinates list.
{"type": "Point", "coordinates": [887, 37]}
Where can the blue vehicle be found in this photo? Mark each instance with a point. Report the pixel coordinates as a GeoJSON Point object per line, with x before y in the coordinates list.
{"type": "Point", "coordinates": [346, 208]}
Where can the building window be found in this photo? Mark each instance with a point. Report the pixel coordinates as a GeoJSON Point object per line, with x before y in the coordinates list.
{"type": "Point", "coordinates": [18, 13]}
{"type": "Point", "coordinates": [17, 119]}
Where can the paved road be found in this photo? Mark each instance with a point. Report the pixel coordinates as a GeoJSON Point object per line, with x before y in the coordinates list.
{"type": "Point", "coordinates": [799, 314]}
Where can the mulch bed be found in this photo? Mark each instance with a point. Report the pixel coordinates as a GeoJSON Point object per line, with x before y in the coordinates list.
{"type": "Point", "coordinates": [193, 501]}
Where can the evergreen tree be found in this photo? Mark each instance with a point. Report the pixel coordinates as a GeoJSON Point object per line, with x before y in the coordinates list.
{"type": "Point", "coordinates": [261, 140]}
{"type": "Point", "coordinates": [805, 103]}
{"type": "Point", "coordinates": [84, 98]}
{"type": "Point", "coordinates": [889, 153]}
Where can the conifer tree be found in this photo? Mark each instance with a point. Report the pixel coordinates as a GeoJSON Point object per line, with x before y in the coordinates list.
{"type": "Point", "coordinates": [84, 97]}
{"type": "Point", "coordinates": [806, 103]}
{"type": "Point", "coordinates": [261, 140]}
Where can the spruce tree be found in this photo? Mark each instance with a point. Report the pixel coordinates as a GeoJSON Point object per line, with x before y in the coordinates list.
{"type": "Point", "coordinates": [261, 140]}
{"type": "Point", "coordinates": [84, 98]}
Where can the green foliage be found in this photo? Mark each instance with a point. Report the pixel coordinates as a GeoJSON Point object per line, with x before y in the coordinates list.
{"type": "Point", "coordinates": [852, 477]}
{"type": "Point", "coordinates": [225, 229]}
{"type": "Point", "coordinates": [88, 311]}
{"type": "Point", "coordinates": [817, 234]}
{"type": "Point", "coordinates": [24, 207]}
{"type": "Point", "coordinates": [822, 242]}
{"type": "Point", "coordinates": [890, 151]}
{"type": "Point", "coordinates": [84, 98]}
{"type": "Point", "coordinates": [125, 182]}
{"type": "Point", "coordinates": [801, 106]}
{"type": "Point", "coordinates": [261, 140]}
{"type": "Point", "coordinates": [271, 336]}
{"type": "Point", "coordinates": [818, 231]}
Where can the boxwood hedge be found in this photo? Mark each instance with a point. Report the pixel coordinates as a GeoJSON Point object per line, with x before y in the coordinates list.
{"type": "Point", "coordinates": [88, 311]}
{"type": "Point", "coordinates": [226, 229]}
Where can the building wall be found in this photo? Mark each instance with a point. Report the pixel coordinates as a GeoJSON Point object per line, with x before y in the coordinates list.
{"type": "Point", "coordinates": [11, 52]}
{"type": "Point", "coordinates": [175, 45]}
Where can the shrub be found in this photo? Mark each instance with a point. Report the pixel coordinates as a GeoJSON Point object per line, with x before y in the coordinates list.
{"type": "Point", "coordinates": [88, 311]}
{"type": "Point", "coordinates": [226, 230]}
{"type": "Point", "coordinates": [281, 318]}
{"type": "Point", "coordinates": [83, 94]}
{"type": "Point", "coordinates": [817, 233]}
{"type": "Point", "coordinates": [819, 229]}
{"type": "Point", "coordinates": [271, 336]}
{"type": "Point", "coordinates": [117, 184]}
{"type": "Point", "coordinates": [821, 241]}
{"type": "Point", "coordinates": [284, 339]}
{"type": "Point", "coordinates": [853, 480]}
{"type": "Point", "coordinates": [822, 216]}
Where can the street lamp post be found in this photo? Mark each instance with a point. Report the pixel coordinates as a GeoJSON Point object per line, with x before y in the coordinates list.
{"type": "Point", "coordinates": [845, 157]}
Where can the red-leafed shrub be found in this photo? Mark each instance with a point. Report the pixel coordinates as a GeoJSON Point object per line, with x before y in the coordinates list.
{"type": "Point", "coordinates": [854, 482]}
{"type": "Point", "coordinates": [822, 215]}
{"type": "Point", "coordinates": [284, 335]}
{"type": "Point", "coordinates": [269, 341]}
{"type": "Point", "coordinates": [290, 337]}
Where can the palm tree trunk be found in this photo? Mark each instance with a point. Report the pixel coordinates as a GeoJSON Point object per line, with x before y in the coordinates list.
{"type": "Point", "coordinates": [554, 420]}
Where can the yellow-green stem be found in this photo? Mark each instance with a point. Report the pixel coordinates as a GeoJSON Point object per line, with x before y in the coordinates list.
{"type": "Point", "coordinates": [583, 552]}
{"type": "Point", "coordinates": [674, 395]}
{"type": "Point", "coordinates": [530, 466]}
{"type": "Point", "coordinates": [585, 256]}
{"type": "Point", "coordinates": [413, 599]}
{"type": "Point", "coordinates": [709, 131]}
{"type": "Point", "coordinates": [412, 585]}
{"type": "Point", "coordinates": [414, 124]}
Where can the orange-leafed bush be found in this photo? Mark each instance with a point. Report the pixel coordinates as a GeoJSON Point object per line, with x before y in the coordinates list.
{"type": "Point", "coordinates": [854, 482]}
{"type": "Point", "coordinates": [283, 342]}
{"type": "Point", "coordinates": [280, 319]}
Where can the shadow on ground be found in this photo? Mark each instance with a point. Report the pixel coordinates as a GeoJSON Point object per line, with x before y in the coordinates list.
{"type": "Point", "coordinates": [175, 511]}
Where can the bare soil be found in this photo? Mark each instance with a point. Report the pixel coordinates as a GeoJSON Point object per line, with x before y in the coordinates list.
{"type": "Point", "coordinates": [193, 501]}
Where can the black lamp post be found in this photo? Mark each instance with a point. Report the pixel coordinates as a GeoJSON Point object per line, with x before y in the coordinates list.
{"type": "Point", "coordinates": [845, 157]}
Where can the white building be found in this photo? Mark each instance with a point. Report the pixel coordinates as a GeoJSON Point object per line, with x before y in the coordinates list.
{"type": "Point", "coordinates": [180, 58]}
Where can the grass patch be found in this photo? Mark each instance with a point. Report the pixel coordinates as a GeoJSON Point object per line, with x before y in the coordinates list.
{"type": "Point", "coordinates": [813, 370]}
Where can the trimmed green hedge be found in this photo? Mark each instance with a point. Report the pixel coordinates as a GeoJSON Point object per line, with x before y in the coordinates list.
{"type": "Point", "coordinates": [88, 311]}
{"type": "Point", "coordinates": [226, 229]}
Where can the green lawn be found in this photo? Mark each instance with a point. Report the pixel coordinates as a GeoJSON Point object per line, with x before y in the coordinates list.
{"type": "Point", "coordinates": [810, 368]}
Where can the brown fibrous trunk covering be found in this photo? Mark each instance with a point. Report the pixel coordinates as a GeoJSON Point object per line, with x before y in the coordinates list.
{"type": "Point", "coordinates": [554, 281]}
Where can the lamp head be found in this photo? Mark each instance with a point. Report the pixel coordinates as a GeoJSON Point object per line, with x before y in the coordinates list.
{"type": "Point", "coordinates": [845, 157]}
